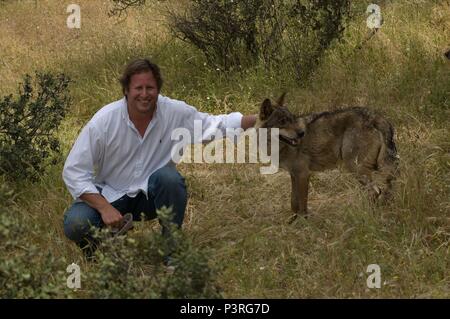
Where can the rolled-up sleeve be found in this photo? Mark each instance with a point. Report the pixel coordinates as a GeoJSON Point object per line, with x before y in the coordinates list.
{"type": "Point", "coordinates": [78, 172]}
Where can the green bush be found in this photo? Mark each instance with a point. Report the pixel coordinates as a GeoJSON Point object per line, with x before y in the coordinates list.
{"type": "Point", "coordinates": [274, 32]}
{"type": "Point", "coordinates": [26, 270]}
{"type": "Point", "coordinates": [124, 267]}
{"type": "Point", "coordinates": [310, 28]}
{"type": "Point", "coordinates": [132, 267]}
{"type": "Point", "coordinates": [28, 123]}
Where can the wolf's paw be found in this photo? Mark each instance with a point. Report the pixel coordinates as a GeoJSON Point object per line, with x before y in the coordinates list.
{"type": "Point", "coordinates": [374, 192]}
{"type": "Point", "coordinates": [295, 216]}
{"type": "Point", "coordinates": [384, 198]}
{"type": "Point", "coordinates": [379, 195]}
{"type": "Point", "coordinates": [292, 218]}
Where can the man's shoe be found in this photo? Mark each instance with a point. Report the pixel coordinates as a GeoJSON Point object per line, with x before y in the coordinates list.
{"type": "Point", "coordinates": [169, 263]}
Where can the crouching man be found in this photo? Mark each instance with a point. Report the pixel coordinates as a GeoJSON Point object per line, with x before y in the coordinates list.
{"type": "Point", "coordinates": [121, 161]}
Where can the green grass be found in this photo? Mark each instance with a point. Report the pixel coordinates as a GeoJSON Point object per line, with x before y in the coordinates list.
{"type": "Point", "coordinates": [238, 214]}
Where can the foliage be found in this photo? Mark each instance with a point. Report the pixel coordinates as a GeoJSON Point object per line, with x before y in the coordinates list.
{"type": "Point", "coordinates": [310, 28]}
{"type": "Point", "coordinates": [241, 33]}
{"type": "Point", "coordinates": [28, 123]}
{"type": "Point", "coordinates": [124, 267]}
{"type": "Point", "coordinates": [26, 269]}
{"type": "Point", "coordinates": [132, 267]}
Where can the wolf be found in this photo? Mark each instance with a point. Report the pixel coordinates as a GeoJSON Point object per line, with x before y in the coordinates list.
{"type": "Point", "coordinates": [356, 139]}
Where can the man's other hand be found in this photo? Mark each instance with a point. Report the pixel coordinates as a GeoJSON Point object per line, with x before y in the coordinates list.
{"type": "Point", "coordinates": [110, 215]}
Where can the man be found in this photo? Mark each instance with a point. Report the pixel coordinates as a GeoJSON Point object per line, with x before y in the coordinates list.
{"type": "Point", "coordinates": [121, 161]}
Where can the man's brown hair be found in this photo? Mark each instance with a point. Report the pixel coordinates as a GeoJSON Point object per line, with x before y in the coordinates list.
{"type": "Point", "coordinates": [138, 66]}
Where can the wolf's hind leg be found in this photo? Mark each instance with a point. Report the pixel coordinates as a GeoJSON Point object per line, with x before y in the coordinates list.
{"type": "Point", "coordinates": [363, 163]}
{"type": "Point", "coordinates": [352, 157]}
{"type": "Point", "coordinates": [384, 177]}
{"type": "Point", "coordinates": [387, 169]}
{"type": "Point", "coordinates": [353, 164]}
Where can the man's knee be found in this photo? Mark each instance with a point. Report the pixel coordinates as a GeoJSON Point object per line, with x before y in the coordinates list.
{"type": "Point", "coordinates": [78, 221]}
{"type": "Point", "coordinates": [168, 188]}
{"type": "Point", "coordinates": [167, 177]}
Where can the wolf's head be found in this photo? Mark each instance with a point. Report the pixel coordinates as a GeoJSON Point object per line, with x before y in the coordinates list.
{"type": "Point", "coordinates": [292, 129]}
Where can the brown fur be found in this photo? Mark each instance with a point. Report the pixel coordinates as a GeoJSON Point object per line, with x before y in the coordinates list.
{"type": "Point", "coordinates": [356, 138]}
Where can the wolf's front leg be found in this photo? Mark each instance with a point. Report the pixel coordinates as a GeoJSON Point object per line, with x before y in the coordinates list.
{"type": "Point", "coordinates": [299, 195]}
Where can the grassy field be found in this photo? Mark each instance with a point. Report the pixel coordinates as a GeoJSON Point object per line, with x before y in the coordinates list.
{"type": "Point", "coordinates": [234, 211]}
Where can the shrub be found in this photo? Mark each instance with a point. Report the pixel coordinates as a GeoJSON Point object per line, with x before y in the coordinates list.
{"type": "Point", "coordinates": [131, 267]}
{"type": "Point", "coordinates": [26, 270]}
{"type": "Point", "coordinates": [27, 125]}
{"type": "Point", "coordinates": [125, 267]}
{"type": "Point", "coordinates": [225, 31]}
{"type": "Point", "coordinates": [311, 27]}
{"type": "Point", "coordinates": [241, 33]}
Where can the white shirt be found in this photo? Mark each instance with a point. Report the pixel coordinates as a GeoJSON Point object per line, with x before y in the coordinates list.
{"type": "Point", "coordinates": [111, 154]}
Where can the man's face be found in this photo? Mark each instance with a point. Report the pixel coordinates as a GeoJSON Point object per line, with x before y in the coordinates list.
{"type": "Point", "coordinates": [142, 93]}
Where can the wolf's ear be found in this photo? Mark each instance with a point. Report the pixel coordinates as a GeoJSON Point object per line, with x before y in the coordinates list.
{"type": "Point", "coordinates": [280, 101]}
{"type": "Point", "coordinates": [266, 110]}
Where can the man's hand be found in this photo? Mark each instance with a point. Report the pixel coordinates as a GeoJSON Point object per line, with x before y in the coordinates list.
{"type": "Point", "coordinates": [248, 121]}
{"type": "Point", "coordinates": [110, 215]}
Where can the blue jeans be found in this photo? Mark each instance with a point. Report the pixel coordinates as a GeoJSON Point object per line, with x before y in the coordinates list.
{"type": "Point", "coordinates": [166, 187]}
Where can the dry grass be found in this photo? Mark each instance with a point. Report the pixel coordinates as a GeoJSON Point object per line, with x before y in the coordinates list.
{"type": "Point", "coordinates": [234, 211]}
